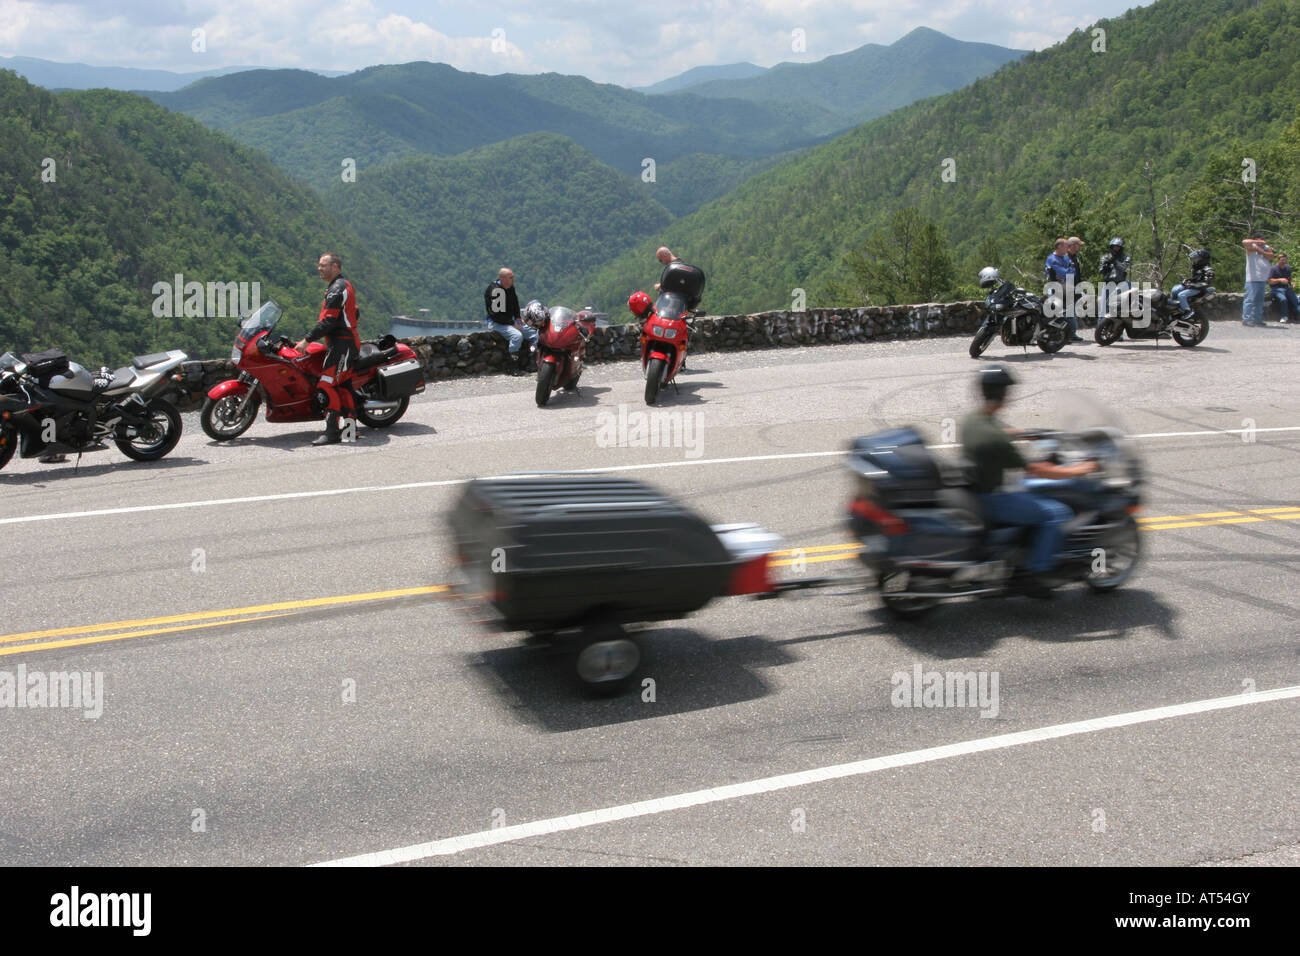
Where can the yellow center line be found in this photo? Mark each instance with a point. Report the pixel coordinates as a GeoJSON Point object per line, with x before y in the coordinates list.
{"type": "Point", "coordinates": [229, 612]}
{"type": "Point", "coordinates": [50, 645]}
{"type": "Point", "coordinates": [1161, 519]}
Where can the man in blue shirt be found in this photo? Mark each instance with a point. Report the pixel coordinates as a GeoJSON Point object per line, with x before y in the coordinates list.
{"type": "Point", "coordinates": [1059, 267]}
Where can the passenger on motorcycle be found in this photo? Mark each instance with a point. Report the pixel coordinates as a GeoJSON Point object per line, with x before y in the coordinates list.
{"type": "Point", "coordinates": [987, 443]}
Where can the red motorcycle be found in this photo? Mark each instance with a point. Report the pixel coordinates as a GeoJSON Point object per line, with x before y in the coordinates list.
{"type": "Point", "coordinates": [666, 333]}
{"type": "Point", "coordinates": [384, 378]}
{"type": "Point", "coordinates": [561, 348]}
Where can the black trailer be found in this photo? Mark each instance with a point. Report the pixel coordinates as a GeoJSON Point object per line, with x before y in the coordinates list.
{"type": "Point", "coordinates": [578, 557]}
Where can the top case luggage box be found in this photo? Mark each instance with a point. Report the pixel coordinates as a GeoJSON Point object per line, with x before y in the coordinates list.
{"type": "Point", "coordinates": [550, 553]}
{"type": "Point", "coordinates": [684, 280]}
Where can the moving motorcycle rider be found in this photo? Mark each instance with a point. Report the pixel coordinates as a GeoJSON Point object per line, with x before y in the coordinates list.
{"type": "Point", "coordinates": [337, 323]}
{"type": "Point", "coordinates": [986, 442]}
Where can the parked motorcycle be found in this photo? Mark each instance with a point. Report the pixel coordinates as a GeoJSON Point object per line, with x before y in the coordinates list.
{"type": "Point", "coordinates": [49, 405]}
{"type": "Point", "coordinates": [1019, 317]}
{"type": "Point", "coordinates": [666, 333]}
{"type": "Point", "coordinates": [1152, 314]}
{"type": "Point", "coordinates": [384, 378]}
{"type": "Point", "coordinates": [561, 350]}
{"type": "Point", "coordinates": [925, 539]}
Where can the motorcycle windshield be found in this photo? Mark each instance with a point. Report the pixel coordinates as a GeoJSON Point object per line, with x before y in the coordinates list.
{"type": "Point", "coordinates": [9, 360]}
{"type": "Point", "coordinates": [561, 318]}
{"type": "Point", "coordinates": [263, 320]}
{"type": "Point", "coordinates": [1099, 432]}
{"type": "Point", "coordinates": [670, 305]}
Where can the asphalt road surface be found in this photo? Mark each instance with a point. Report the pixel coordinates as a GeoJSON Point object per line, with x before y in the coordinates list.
{"type": "Point", "coordinates": [284, 681]}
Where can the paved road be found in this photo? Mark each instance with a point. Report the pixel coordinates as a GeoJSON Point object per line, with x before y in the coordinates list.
{"type": "Point", "coordinates": [230, 642]}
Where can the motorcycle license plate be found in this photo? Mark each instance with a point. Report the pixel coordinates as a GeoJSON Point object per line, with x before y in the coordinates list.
{"type": "Point", "coordinates": [234, 355]}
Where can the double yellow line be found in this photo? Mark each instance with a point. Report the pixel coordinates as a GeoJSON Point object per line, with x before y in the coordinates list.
{"type": "Point", "coordinates": [60, 637]}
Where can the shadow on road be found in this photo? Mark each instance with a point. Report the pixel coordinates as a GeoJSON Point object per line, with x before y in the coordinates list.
{"type": "Point", "coordinates": [302, 440]}
{"type": "Point", "coordinates": [688, 672]}
{"type": "Point", "coordinates": [70, 470]}
{"type": "Point", "coordinates": [973, 628]}
{"type": "Point", "coordinates": [586, 397]}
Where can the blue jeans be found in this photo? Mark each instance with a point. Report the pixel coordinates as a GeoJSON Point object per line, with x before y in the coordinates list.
{"type": "Point", "coordinates": [514, 335]}
{"type": "Point", "coordinates": [1252, 307]}
{"type": "Point", "coordinates": [1286, 299]}
{"type": "Point", "coordinates": [1184, 296]}
{"type": "Point", "coordinates": [1025, 508]}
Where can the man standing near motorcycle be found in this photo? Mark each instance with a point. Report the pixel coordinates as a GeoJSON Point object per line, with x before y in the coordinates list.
{"type": "Point", "coordinates": [1060, 268]}
{"type": "Point", "coordinates": [337, 324]}
{"type": "Point", "coordinates": [986, 442]}
{"type": "Point", "coordinates": [1114, 270]}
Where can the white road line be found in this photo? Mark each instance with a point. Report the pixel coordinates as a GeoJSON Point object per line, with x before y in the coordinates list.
{"type": "Point", "coordinates": [644, 808]}
{"type": "Point", "coordinates": [647, 466]}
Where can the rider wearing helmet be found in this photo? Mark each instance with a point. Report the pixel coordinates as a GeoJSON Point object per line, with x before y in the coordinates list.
{"type": "Point", "coordinates": [986, 442]}
{"type": "Point", "coordinates": [1202, 276]}
{"type": "Point", "coordinates": [1114, 269]}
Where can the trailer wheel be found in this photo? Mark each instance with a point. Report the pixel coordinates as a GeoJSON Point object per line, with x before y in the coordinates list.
{"type": "Point", "coordinates": [606, 664]}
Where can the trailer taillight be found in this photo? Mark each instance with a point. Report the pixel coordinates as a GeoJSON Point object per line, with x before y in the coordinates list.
{"type": "Point", "coordinates": [890, 524]}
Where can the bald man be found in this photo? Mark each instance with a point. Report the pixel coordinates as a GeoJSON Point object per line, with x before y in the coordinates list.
{"type": "Point", "coordinates": [666, 258]}
{"type": "Point", "coordinates": [502, 303]}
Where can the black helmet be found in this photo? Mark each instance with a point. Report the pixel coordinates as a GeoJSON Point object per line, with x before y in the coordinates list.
{"type": "Point", "coordinates": [1199, 257]}
{"type": "Point", "coordinates": [994, 382]}
{"type": "Point", "coordinates": [1117, 241]}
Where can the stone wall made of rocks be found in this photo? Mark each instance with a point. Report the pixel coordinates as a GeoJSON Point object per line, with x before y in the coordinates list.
{"type": "Point", "coordinates": [484, 353]}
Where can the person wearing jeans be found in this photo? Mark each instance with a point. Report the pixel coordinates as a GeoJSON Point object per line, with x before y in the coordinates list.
{"type": "Point", "coordinates": [501, 300]}
{"type": "Point", "coordinates": [1281, 288]}
{"type": "Point", "coordinates": [1258, 256]}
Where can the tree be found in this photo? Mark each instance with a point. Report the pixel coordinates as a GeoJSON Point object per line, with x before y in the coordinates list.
{"type": "Point", "coordinates": [906, 263]}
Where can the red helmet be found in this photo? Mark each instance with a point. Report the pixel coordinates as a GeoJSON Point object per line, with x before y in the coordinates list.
{"type": "Point", "coordinates": [639, 304]}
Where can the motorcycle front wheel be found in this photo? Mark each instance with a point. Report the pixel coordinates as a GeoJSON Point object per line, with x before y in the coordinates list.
{"type": "Point", "coordinates": [654, 373]}
{"type": "Point", "coordinates": [545, 376]}
{"type": "Point", "coordinates": [155, 438]}
{"type": "Point", "coordinates": [1119, 559]}
{"type": "Point", "coordinates": [8, 442]}
{"type": "Point", "coordinates": [219, 420]}
{"type": "Point", "coordinates": [981, 341]}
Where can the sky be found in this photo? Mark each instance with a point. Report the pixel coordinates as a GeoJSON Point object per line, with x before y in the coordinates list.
{"type": "Point", "coordinates": [632, 44]}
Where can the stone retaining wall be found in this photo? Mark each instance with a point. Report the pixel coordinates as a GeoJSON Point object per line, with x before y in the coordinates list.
{"type": "Point", "coordinates": [484, 353]}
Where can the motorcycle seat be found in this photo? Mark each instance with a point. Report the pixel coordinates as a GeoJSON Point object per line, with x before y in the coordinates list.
{"type": "Point", "coordinates": [372, 355]}
{"type": "Point", "coordinates": [121, 378]}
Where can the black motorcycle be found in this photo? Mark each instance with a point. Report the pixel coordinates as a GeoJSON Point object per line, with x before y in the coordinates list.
{"type": "Point", "coordinates": [925, 538]}
{"type": "Point", "coordinates": [49, 405]}
{"type": "Point", "coordinates": [1152, 314]}
{"type": "Point", "coordinates": [1019, 316]}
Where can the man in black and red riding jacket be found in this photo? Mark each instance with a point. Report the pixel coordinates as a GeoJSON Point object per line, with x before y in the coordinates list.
{"type": "Point", "coordinates": [337, 324]}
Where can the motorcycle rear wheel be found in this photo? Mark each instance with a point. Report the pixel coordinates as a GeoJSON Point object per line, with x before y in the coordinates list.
{"type": "Point", "coordinates": [545, 376]}
{"type": "Point", "coordinates": [1120, 559]}
{"type": "Point", "coordinates": [154, 440]}
{"type": "Point", "coordinates": [384, 419]}
{"type": "Point", "coordinates": [1202, 330]}
{"type": "Point", "coordinates": [654, 373]}
{"type": "Point", "coordinates": [1052, 339]}
{"type": "Point", "coordinates": [1108, 331]}
{"type": "Point", "coordinates": [981, 341]}
{"type": "Point", "coordinates": [217, 417]}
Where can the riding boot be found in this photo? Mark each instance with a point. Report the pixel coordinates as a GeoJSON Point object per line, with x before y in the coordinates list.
{"type": "Point", "coordinates": [526, 362]}
{"type": "Point", "coordinates": [332, 434]}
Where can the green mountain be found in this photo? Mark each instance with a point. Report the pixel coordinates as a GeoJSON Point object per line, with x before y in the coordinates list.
{"type": "Point", "coordinates": [539, 203]}
{"type": "Point", "coordinates": [873, 79]}
{"type": "Point", "coordinates": [703, 74]}
{"type": "Point", "coordinates": [1178, 83]}
{"type": "Point", "coordinates": [104, 196]}
{"type": "Point", "coordinates": [309, 124]}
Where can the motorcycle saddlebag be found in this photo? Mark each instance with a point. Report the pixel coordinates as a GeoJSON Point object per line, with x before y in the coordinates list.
{"type": "Point", "coordinates": [400, 380]}
{"type": "Point", "coordinates": [558, 552]}
{"type": "Point", "coordinates": [45, 365]}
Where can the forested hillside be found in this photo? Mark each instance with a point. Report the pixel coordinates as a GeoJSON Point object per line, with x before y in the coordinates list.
{"type": "Point", "coordinates": [540, 204]}
{"type": "Point", "coordinates": [1058, 142]}
{"type": "Point", "coordinates": [104, 194]}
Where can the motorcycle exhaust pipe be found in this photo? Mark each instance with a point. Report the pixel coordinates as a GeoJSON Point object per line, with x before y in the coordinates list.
{"type": "Point", "coordinates": [373, 405]}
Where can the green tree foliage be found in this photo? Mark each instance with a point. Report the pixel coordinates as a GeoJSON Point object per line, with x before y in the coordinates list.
{"type": "Point", "coordinates": [1177, 79]}
{"type": "Point", "coordinates": [905, 263]}
{"type": "Point", "coordinates": [103, 195]}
